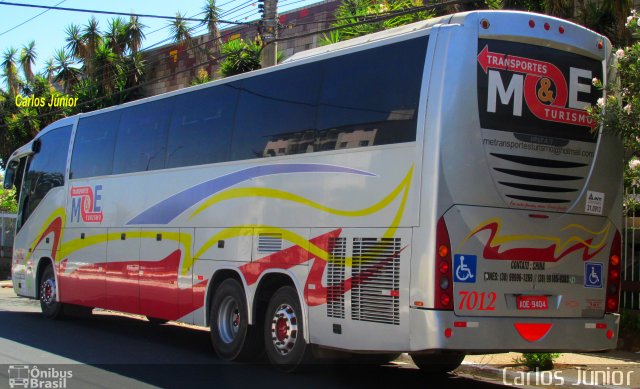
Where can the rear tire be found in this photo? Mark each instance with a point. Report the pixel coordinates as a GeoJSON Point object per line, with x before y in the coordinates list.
{"type": "Point", "coordinates": [437, 363]}
{"type": "Point", "coordinates": [49, 305]}
{"type": "Point", "coordinates": [155, 321]}
{"type": "Point", "coordinates": [284, 330]}
{"type": "Point", "coordinates": [232, 337]}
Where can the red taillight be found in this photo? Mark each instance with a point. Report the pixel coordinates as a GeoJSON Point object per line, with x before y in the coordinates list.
{"type": "Point", "coordinates": [443, 286]}
{"type": "Point", "coordinates": [613, 280]}
{"type": "Point", "coordinates": [532, 24]}
{"type": "Point", "coordinates": [547, 26]}
{"type": "Point", "coordinates": [561, 30]}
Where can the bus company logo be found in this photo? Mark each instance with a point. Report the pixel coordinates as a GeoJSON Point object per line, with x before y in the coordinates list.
{"type": "Point", "coordinates": [25, 376]}
{"type": "Point", "coordinates": [546, 92]}
{"type": "Point", "coordinates": [85, 204]}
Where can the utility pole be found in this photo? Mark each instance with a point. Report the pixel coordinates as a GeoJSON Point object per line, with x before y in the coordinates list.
{"type": "Point", "coordinates": [269, 31]}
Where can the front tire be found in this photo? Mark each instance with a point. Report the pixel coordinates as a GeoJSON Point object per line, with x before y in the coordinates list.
{"type": "Point", "coordinates": [49, 305]}
{"type": "Point", "coordinates": [232, 337]}
{"type": "Point", "coordinates": [284, 330]}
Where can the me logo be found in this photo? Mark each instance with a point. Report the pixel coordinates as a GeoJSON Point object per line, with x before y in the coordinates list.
{"type": "Point", "coordinates": [542, 85]}
{"type": "Point", "coordinates": [19, 376]}
{"type": "Point", "coordinates": [464, 266]}
{"type": "Point", "coordinates": [26, 376]}
{"type": "Point", "coordinates": [593, 275]}
{"type": "Point", "coordinates": [85, 203]}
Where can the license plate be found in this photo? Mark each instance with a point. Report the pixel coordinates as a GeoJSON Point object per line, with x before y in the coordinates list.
{"type": "Point", "coordinates": [532, 302]}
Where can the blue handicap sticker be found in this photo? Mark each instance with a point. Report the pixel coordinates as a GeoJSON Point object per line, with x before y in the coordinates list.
{"type": "Point", "coordinates": [464, 268]}
{"type": "Point", "coordinates": [593, 275]}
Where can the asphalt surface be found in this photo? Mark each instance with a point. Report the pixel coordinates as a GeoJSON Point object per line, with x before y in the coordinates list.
{"type": "Point", "coordinates": [107, 350]}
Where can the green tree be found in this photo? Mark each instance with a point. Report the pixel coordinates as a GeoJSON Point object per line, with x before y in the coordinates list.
{"type": "Point", "coordinates": [239, 57]}
{"type": "Point", "coordinates": [10, 70]}
{"type": "Point", "coordinates": [620, 111]}
{"type": "Point", "coordinates": [211, 17]}
{"type": "Point", "coordinates": [351, 17]}
{"type": "Point", "coordinates": [28, 57]}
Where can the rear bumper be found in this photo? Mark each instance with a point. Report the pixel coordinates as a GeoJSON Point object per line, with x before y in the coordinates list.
{"type": "Point", "coordinates": [500, 334]}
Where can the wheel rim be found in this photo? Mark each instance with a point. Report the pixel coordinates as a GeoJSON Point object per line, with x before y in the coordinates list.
{"type": "Point", "coordinates": [48, 291]}
{"type": "Point", "coordinates": [229, 319]}
{"type": "Point", "coordinates": [284, 329]}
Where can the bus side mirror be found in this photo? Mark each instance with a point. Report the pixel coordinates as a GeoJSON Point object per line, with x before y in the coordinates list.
{"type": "Point", "coordinates": [9, 177]}
{"type": "Point", "coordinates": [35, 146]}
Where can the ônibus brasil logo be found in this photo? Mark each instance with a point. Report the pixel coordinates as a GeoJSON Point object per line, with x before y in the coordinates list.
{"type": "Point", "coordinates": [85, 203]}
{"type": "Point", "coordinates": [546, 92]}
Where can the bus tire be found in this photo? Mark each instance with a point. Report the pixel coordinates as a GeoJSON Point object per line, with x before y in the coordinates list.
{"type": "Point", "coordinates": [49, 305]}
{"type": "Point", "coordinates": [437, 363]}
{"type": "Point", "coordinates": [232, 337]}
{"type": "Point", "coordinates": [284, 330]}
{"type": "Point", "coordinates": [155, 321]}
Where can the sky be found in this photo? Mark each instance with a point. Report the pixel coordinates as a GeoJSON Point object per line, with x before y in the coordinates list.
{"type": "Point", "coordinates": [48, 30]}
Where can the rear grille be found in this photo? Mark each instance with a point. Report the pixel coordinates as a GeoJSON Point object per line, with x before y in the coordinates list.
{"type": "Point", "coordinates": [335, 277]}
{"type": "Point", "coordinates": [537, 180]}
{"type": "Point", "coordinates": [376, 280]}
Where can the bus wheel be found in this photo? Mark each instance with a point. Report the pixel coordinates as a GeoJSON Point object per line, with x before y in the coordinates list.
{"type": "Point", "coordinates": [284, 331]}
{"type": "Point", "coordinates": [232, 337]}
{"type": "Point", "coordinates": [437, 363]}
{"type": "Point", "coordinates": [49, 304]}
{"type": "Point", "coordinates": [155, 321]}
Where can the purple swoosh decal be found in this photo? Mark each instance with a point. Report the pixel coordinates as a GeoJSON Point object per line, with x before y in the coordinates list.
{"type": "Point", "coordinates": [167, 210]}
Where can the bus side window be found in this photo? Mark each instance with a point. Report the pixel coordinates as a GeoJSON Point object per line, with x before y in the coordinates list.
{"type": "Point", "coordinates": [201, 126]}
{"type": "Point", "coordinates": [94, 145]}
{"type": "Point", "coordinates": [142, 137]}
{"type": "Point", "coordinates": [44, 171]}
{"type": "Point", "coordinates": [371, 97]}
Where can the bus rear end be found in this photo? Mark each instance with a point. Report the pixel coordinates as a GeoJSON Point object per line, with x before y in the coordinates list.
{"type": "Point", "coordinates": [528, 199]}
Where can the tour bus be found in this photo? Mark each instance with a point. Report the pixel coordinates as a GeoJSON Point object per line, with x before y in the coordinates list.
{"type": "Point", "coordinates": [437, 189]}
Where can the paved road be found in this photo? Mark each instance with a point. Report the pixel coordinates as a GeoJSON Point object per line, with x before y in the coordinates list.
{"type": "Point", "coordinates": [117, 351]}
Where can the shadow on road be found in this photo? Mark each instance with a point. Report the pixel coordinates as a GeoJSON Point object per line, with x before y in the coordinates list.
{"type": "Point", "coordinates": [174, 356]}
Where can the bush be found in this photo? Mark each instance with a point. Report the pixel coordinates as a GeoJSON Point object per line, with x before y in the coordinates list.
{"type": "Point", "coordinates": [538, 361]}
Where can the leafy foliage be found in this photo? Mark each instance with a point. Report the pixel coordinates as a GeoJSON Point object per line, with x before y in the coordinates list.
{"type": "Point", "coordinates": [239, 57]}
{"type": "Point", "coordinates": [351, 17]}
{"type": "Point", "coordinates": [538, 361]}
{"type": "Point", "coordinates": [620, 111]}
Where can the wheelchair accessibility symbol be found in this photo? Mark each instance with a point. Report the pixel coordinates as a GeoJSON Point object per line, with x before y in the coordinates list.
{"type": "Point", "coordinates": [593, 275]}
{"type": "Point", "coordinates": [464, 268]}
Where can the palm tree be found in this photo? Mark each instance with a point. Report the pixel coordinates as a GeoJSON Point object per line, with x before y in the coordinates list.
{"type": "Point", "coordinates": [10, 70]}
{"type": "Point", "coordinates": [49, 70]}
{"type": "Point", "coordinates": [91, 38]}
{"type": "Point", "coordinates": [116, 36]}
{"type": "Point", "coordinates": [65, 72]}
{"type": "Point", "coordinates": [106, 63]}
{"type": "Point", "coordinates": [211, 17]}
{"type": "Point", "coordinates": [28, 57]}
{"type": "Point", "coordinates": [180, 31]}
{"type": "Point", "coordinates": [75, 42]}
{"type": "Point", "coordinates": [135, 35]}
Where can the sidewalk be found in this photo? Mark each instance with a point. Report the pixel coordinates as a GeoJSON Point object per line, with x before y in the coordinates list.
{"type": "Point", "coordinates": [614, 369]}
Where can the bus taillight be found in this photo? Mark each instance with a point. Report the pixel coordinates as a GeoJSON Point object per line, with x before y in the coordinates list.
{"type": "Point", "coordinates": [443, 285]}
{"type": "Point", "coordinates": [613, 280]}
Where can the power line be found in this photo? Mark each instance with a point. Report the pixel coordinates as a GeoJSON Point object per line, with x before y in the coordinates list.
{"type": "Point", "coordinates": [28, 20]}
{"type": "Point", "coordinates": [219, 58]}
{"type": "Point", "coordinates": [93, 11]}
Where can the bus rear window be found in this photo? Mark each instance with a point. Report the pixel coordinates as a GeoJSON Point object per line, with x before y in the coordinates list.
{"type": "Point", "coordinates": [537, 92]}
